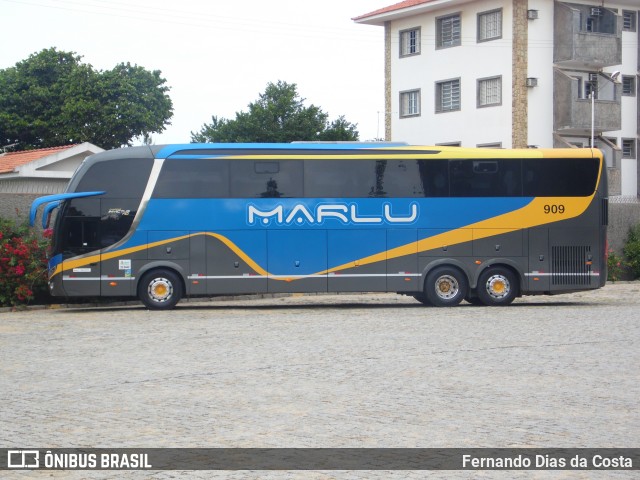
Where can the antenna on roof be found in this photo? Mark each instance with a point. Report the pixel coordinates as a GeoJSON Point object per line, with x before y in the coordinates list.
{"type": "Point", "coordinates": [4, 149]}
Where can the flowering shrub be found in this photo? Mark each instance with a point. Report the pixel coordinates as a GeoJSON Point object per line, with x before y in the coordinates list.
{"type": "Point", "coordinates": [632, 250]}
{"type": "Point", "coordinates": [616, 266]}
{"type": "Point", "coordinates": [23, 263]}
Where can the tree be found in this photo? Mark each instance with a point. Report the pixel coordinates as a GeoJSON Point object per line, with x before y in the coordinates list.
{"type": "Point", "coordinates": [53, 99]}
{"type": "Point", "coordinates": [279, 115]}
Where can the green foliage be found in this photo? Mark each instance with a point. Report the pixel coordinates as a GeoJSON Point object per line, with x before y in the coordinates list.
{"type": "Point", "coordinates": [23, 264]}
{"type": "Point", "coordinates": [278, 116]}
{"type": "Point", "coordinates": [52, 99]}
{"type": "Point", "coordinates": [616, 266]}
{"type": "Point", "coordinates": [632, 250]}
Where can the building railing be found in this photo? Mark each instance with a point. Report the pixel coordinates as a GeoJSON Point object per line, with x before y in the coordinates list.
{"type": "Point", "coordinates": [586, 36]}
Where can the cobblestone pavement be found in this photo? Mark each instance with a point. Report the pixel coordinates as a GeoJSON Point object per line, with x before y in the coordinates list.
{"type": "Point", "coordinates": [362, 370]}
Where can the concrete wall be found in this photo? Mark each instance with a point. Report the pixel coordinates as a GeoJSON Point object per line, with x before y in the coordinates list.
{"type": "Point", "coordinates": [15, 206]}
{"type": "Point", "coordinates": [622, 216]}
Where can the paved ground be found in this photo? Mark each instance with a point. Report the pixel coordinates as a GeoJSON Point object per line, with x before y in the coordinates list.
{"type": "Point", "coordinates": [373, 370]}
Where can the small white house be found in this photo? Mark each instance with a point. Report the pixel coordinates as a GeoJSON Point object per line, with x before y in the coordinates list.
{"type": "Point", "coordinates": [32, 173]}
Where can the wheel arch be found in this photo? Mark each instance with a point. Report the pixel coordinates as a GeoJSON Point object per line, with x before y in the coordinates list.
{"type": "Point", "coordinates": [444, 262]}
{"type": "Point", "coordinates": [149, 267]}
{"type": "Point", "coordinates": [497, 262]}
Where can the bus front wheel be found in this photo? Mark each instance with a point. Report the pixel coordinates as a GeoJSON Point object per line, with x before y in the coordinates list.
{"type": "Point", "coordinates": [497, 286]}
{"type": "Point", "coordinates": [446, 287]}
{"type": "Point", "coordinates": [160, 289]}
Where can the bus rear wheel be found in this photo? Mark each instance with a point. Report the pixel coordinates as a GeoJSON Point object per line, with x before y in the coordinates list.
{"type": "Point", "coordinates": [160, 289]}
{"type": "Point", "coordinates": [497, 286]}
{"type": "Point", "coordinates": [446, 287]}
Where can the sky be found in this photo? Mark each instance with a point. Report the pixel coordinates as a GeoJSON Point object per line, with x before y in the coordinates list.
{"type": "Point", "coordinates": [217, 56]}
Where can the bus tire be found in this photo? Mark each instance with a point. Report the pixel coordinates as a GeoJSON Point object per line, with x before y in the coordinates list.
{"type": "Point", "coordinates": [497, 286]}
{"type": "Point", "coordinates": [422, 299]}
{"type": "Point", "coordinates": [446, 287]}
{"type": "Point", "coordinates": [160, 289]}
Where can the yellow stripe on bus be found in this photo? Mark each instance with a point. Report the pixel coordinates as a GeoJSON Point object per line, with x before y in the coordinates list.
{"type": "Point", "coordinates": [531, 215]}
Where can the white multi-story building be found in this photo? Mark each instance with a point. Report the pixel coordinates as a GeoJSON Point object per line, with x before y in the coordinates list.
{"type": "Point", "coordinates": [515, 74]}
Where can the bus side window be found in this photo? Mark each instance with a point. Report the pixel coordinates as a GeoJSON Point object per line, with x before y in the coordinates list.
{"type": "Point", "coordinates": [434, 177]}
{"type": "Point", "coordinates": [560, 177]}
{"type": "Point", "coordinates": [117, 215]}
{"type": "Point", "coordinates": [200, 178]}
{"type": "Point", "coordinates": [266, 179]}
{"type": "Point", "coordinates": [397, 178]}
{"type": "Point", "coordinates": [340, 178]}
{"type": "Point", "coordinates": [129, 181]}
{"type": "Point", "coordinates": [486, 178]}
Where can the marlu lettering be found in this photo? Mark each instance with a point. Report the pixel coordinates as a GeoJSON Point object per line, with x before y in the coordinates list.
{"type": "Point", "coordinates": [343, 213]}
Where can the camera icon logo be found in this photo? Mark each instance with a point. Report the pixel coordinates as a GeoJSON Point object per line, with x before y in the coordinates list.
{"type": "Point", "coordinates": [23, 459]}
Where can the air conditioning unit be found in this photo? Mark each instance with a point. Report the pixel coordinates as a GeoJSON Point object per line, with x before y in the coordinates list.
{"type": "Point", "coordinates": [532, 82]}
{"type": "Point", "coordinates": [596, 12]}
{"type": "Point", "coordinates": [532, 14]}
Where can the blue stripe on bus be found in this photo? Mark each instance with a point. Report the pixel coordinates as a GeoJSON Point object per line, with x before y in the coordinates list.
{"type": "Point", "coordinates": [169, 150]}
{"type": "Point", "coordinates": [263, 243]}
{"type": "Point", "coordinates": [295, 213]}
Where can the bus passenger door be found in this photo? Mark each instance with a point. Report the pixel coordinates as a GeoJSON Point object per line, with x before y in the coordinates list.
{"type": "Point", "coordinates": [80, 237]}
{"type": "Point", "coordinates": [197, 275]}
{"type": "Point", "coordinates": [116, 218]}
{"type": "Point", "coordinates": [539, 273]}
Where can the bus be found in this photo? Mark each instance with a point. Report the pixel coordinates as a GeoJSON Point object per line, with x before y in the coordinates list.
{"type": "Point", "coordinates": [442, 224]}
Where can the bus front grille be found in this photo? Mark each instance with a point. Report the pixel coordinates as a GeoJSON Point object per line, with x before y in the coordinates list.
{"type": "Point", "coordinates": [570, 265]}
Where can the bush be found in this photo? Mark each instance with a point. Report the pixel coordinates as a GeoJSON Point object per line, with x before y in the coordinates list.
{"type": "Point", "coordinates": [23, 263]}
{"type": "Point", "coordinates": [632, 250]}
{"type": "Point", "coordinates": [616, 266]}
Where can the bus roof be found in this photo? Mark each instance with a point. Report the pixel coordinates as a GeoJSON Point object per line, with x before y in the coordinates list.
{"type": "Point", "coordinates": [194, 150]}
{"type": "Point", "coordinates": [330, 149]}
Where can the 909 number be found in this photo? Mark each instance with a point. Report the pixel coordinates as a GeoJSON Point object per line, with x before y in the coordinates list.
{"type": "Point", "coordinates": [554, 209]}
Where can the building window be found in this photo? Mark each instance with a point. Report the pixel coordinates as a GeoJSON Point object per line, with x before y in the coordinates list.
{"type": "Point", "coordinates": [410, 42]}
{"type": "Point", "coordinates": [489, 92]}
{"type": "Point", "coordinates": [628, 148]}
{"type": "Point", "coordinates": [628, 21]}
{"type": "Point", "coordinates": [448, 96]}
{"type": "Point", "coordinates": [629, 85]}
{"type": "Point", "coordinates": [410, 103]}
{"type": "Point", "coordinates": [448, 31]}
{"type": "Point", "coordinates": [591, 86]}
{"type": "Point", "coordinates": [489, 25]}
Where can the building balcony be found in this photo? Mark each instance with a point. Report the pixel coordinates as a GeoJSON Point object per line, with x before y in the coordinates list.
{"type": "Point", "coordinates": [586, 37]}
{"type": "Point", "coordinates": [572, 103]}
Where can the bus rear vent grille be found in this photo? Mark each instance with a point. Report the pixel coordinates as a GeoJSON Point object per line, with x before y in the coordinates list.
{"type": "Point", "coordinates": [569, 265]}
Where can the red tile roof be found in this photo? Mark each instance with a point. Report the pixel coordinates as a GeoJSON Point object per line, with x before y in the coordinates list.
{"type": "Point", "coordinates": [9, 161]}
{"type": "Point", "coordinates": [392, 8]}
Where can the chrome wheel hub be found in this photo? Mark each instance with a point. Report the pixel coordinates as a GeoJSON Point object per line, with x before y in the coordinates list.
{"type": "Point", "coordinates": [160, 290]}
{"type": "Point", "coordinates": [447, 287]}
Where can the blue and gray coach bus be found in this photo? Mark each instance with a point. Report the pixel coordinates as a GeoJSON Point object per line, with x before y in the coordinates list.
{"type": "Point", "coordinates": [440, 224]}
